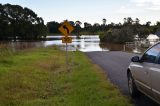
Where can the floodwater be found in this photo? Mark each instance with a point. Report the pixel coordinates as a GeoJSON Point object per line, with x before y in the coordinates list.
{"type": "Point", "coordinates": [86, 43]}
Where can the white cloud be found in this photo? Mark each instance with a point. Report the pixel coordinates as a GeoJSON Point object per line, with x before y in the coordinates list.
{"type": "Point", "coordinates": [153, 5]}
{"type": "Point", "coordinates": [154, 8]}
{"type": "Point", "coordinates": [145, 10]}
{"type": "Point", "coordinates": [126, 10]}
{"type": "Point", "coordinates": [155, 2]}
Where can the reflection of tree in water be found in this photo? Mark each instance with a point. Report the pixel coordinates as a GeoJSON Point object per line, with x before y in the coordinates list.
{"type": "Point", "coordinates": [25, 45]}
{"type": "Point", "coordinates": [112, 47]}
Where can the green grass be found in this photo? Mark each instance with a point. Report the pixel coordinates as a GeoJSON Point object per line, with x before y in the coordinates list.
{"type": "Point", "coordinates": [38, 77]}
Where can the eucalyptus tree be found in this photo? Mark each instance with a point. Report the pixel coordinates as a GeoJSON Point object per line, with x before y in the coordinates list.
{"type": "Point", "coordinates": [53, 27]}
{"type": "Point", "coordinates": [86, 25]}
{"type": "Point", "coordinates": [137, 21]}
{"type": "Point", "coordinates": [125, 20]}
{"type": "Point", "coordinates": [104, 21]}
{"type": "Point", "coordinates": [129, 21]}
{"type": "Point", "coordinates": [19, 22]}
{"type": "Point", "coordinates": [158, 23]}
{"type": "Point", "coordinates": [78, 27]}
{"type": "Point", "coordinates": [148, 23]}
{"type": "Point", "coordinates": [78, 23]}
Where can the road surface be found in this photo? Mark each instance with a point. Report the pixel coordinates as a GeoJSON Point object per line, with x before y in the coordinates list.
{"type": "Point", "coordinates": [115, 64]}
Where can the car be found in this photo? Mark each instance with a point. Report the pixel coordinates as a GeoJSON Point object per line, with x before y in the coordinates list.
{"type": "Point", "coordinates": [144, 74]}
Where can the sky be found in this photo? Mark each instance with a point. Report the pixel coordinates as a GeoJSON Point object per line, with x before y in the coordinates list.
{"type": "Point", "coordinates": [93, 11]}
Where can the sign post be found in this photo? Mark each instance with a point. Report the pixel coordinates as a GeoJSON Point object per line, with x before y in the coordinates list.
{"type": "Point", "coordinates": [66, 28]}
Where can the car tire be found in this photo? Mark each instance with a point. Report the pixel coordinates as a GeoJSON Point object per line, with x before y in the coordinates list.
{"type": "Point", "coordinates": [132, 86]}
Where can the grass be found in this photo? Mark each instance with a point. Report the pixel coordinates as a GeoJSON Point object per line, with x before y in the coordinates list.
{"type": "Point", "coordinates": [38, 77]}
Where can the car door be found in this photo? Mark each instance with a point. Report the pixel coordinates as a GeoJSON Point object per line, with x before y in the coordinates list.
{"type": "Point", "coordinates": [142, 70]}
{"type": "Point", "coordinates": [155, 76]}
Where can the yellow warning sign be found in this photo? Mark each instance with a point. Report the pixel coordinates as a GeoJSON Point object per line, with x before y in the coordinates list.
{"type": "Point", "coordinates": [67, 39]}
{"type": "Point", "coordinates": [66, 28]}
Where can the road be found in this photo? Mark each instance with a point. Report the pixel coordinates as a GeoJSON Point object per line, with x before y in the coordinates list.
{"type": "Point", "coordinates": [115, 64]}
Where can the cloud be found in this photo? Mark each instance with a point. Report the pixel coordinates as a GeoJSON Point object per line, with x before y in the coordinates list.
{"type": "Point", "coordinates": [153, 8]}
{"type": "Point", "coordinates": [155, 2]}
{"type": "Point", "coordinates": [153, 5]}
{"type": "Point", "coordinates": [126, 10]}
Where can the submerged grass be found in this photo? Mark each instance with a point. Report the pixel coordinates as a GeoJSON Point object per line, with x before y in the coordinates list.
{"type": "Point", "coordinates": [38, 77]}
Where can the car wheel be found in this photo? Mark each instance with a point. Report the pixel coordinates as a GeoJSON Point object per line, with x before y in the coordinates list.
{"type": "Point", "coordinates": [132, 87]}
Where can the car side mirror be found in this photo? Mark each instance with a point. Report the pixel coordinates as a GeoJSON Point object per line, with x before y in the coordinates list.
{"type": "Point", "coordinates": [135, 59]}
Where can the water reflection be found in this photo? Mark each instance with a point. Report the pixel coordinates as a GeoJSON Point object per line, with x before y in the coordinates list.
{"type": "Point", "coordinates": [25, 45]}
{"type": "Point", "coordinates": [84, 44]}
{"type": "Point", "coordinates": [112, 47]}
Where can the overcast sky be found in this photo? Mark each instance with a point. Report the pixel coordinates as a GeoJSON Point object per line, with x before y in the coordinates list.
{"type": "Point", "coordinates": [92, 10]}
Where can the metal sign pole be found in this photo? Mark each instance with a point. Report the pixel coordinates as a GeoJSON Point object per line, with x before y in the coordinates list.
{"type": "Point", "coordinates": [66, 28]}
{"type": "Point", "coordinates": [66, 56]}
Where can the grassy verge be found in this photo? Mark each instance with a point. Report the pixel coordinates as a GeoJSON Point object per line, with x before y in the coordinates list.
{"type": "Point", "coordinates": [38, 77]}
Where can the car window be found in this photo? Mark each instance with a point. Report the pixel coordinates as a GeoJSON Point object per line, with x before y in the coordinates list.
{"type": "Point", "coordinates": [158, 60]}
{"type": "Point", "coordinates": [151, 55]}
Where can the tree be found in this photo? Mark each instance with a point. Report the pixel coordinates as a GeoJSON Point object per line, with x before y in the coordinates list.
{"type": "Point", "coordinates": [53, 27]}
{"type": "Point", "coordinates": [96, 25]}
{"type": "Point", "coordinates": [86, 25]}
{"type": "Point", "coordinates": [129, 21]}
{"type": "Point", "coordinates": [143, 32]}
{"type": "Point", "coordinates": [158, 23]}
{"type": "Point", "coordinates": [112, 24]}
{"type": "Point", "coordinates": [125, 20]}
{"type": "Point", "coordinates": [104, 21]}
{"type": "Point", "coordinates": [78, 23]}
{"type": "Point", "coordinates": [137, 21]}
{"type": "Point", "coordinates": [72, 23]}
{"type": "Point", "coordinates": [78, 27]}
{"type": "Point", "coordinates": [119, 24]}
{"type": "Point", "coordinates": [148, 23]}
{"type": "Point", "coordinates": [18, 22]}
{"type": "Point", "coordinates": [122, 35]}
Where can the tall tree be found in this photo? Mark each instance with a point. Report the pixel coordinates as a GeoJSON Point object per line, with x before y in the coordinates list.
{"type": "Point", "coordinates": [148, 23]}
{"type": "Point", "coordinates": [78, 27]}
{"type": "Point", "coordinates": [158, 23]}
{"type": "Point", "coordinates": [129, 20]}
{"type": "Point", "coordinates": [137, 21]}
{"type": "Point", "coordinates": [53, 27]}
{"type": "Point", "coordinates": [78, 23]}
{"type": "Point", "coordinates": [125, 20]}
{"type": "Point", "coordinates": [104, 21]}
{"type": "Point", "coordinates": [86, 25]}
{"type": "Point", "coordinates": [18, 22]}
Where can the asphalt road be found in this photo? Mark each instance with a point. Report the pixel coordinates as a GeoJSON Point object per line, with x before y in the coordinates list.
{"type": "Point", "coordinates": [115, 65]}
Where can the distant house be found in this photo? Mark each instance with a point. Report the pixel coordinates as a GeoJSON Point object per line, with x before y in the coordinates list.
{"type": "Point", "coordinates": [136, 37]}
{"type": "Point", "coordinates": [153, 39]}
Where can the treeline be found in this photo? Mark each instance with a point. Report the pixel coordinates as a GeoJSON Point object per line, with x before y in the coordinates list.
{"type": "Point", "coordinates": [78, 30]}
{"type": "Point", "coordinates": [53, 27]}
{"type": "Point", "coordinates": [21, 23]}
{"type": "Point", "coordinates": [121, 33]}
{"type": "Point", "coordinates": [115, 33]}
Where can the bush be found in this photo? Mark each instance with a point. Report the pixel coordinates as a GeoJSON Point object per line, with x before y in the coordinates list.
{"type": "Point", "coordinates": [122, 35]}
